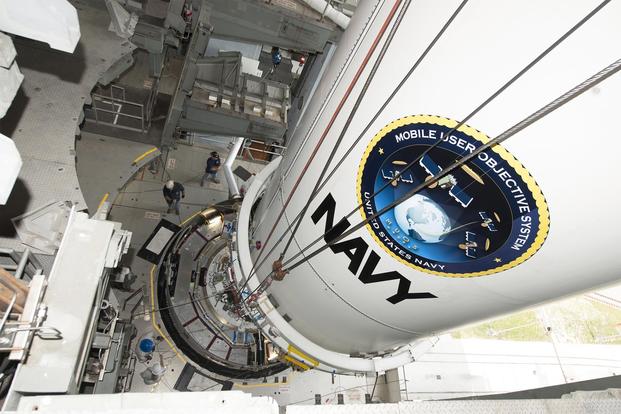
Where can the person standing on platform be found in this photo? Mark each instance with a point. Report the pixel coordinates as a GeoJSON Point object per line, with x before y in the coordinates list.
{"type": "Point", "coordinates": [173, 193]}
{"type": "Point", "coordinates": [211, 170]}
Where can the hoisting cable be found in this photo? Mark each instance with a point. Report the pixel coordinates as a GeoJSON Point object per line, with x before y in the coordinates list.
{"type": "Point", "coordinates": [350, 118]}
{"type": "Point", "coordinates": [340, 105]}
{"type": "Point", "coordinates": [344, 98]}
{"type": "Point", "coordinates": [545, 110]}
{"type": "Point", "coordinates": [324, 104]}
{"type": "Point", "coordinates": [297, 220]}
{"type": "Point", "coordinates": [473, 113]}
{"type": "Point", "coordinates": [463, 121]}
{"type": "Point", "coordinates": [456, 127]}
{"type": "Point", "coordinates": [487, 101]}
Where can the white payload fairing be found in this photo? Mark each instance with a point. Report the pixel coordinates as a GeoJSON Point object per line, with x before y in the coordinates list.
{"type": "Point", "coordinates": [522, 223]}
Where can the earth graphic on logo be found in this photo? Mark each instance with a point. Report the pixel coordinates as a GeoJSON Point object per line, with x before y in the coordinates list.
{"type": "Point", "coordinates": [421, 218]}
{"type": "Point", "coordinates": [482, 217]}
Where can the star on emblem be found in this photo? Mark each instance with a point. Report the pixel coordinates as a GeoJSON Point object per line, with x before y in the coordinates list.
{"type": "Point", "coordinates": [498, 260]}
{"type": "Point", "coordinates": [381, 151]}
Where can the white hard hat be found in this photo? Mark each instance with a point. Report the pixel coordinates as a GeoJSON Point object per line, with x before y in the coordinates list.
{"type": "Point", "coordinates": [170, 184]}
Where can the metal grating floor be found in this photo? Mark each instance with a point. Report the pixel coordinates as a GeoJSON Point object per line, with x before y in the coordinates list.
{"type": "Point", "coordinates": [43, 118]}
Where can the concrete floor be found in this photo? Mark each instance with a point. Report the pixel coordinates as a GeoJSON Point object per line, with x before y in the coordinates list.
{"type": "Point", "coordinates": [99, 162]}
{"type": "Point", "coordinates": [140, 204]}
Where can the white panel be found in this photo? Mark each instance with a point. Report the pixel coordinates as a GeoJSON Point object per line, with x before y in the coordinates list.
{"type": "Point", "coordinates": [11, 163]}
{"type": "Point", "coordinates": [73, 283]}
{"type": "Point", "coordinates": [51, 21]}
{"type": "Point", "coordinates": [7, 51]}
{"type": "Point", "coordinates": [479, 407]}
{"type": "Point", "coordinates": [167, 402]}
{"type": "Point", "coordinates": [344, 409]}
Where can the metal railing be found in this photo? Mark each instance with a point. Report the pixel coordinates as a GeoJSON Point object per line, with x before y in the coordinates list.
{"type": "Point", "coordinates": [19, 324]}
{"type": "Point", "coordinates": [118, 88]}
{"type": "Point", "coordinates": [273, 149]}
{"type": "Point", "coordinates": [151, 101]}
{"type": "Point", "coordinates": [194, 138]}
{"type": "Point", "coordinates": [118, 112]}
{"type": "Point", "coordinates": [20, 263]}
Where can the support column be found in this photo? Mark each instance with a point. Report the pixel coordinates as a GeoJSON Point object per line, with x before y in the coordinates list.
{"type": "Point", "coordinates": [196, 50]}
{"type": "Point", "coordinates": [388, 389]}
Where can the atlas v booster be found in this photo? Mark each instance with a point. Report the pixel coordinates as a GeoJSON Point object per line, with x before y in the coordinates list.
{"type": "Point", "coordinates": [521, 223]}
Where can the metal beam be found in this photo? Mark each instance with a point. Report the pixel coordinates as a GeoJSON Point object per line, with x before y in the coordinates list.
{"type": "Point", "coordinates": [196, 50]}
{"type": "Point", "coordinates": [200, 118]}
{"type": "Point", "coordinates": [259, 22]}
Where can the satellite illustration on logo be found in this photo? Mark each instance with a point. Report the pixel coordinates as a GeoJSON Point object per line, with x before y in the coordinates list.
{"type": "Point", "coordinates": [484, 217]}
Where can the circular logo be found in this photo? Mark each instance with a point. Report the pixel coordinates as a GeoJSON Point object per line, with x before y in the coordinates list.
{"type": "Point", "coordinates": [485, 217]}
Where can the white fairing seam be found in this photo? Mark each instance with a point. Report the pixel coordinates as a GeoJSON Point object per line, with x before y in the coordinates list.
{"type": "Point", "coordinates": [326, 100]}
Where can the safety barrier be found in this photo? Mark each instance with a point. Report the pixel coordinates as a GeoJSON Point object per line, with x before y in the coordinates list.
{"type": "Point", "coordinates": [119, 112]}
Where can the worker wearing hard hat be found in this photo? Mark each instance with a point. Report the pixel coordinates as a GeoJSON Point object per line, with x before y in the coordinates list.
{"type": "Point", "coordinates": [173, 193]}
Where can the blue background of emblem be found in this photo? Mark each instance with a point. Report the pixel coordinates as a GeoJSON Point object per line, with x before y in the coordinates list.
{"type": "Point", "coordinates": [496, 197]}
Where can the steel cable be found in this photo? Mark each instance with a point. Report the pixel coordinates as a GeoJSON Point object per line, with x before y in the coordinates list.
{"type": "Point", "coordinates": [340, 106]}
{"type": "Point", "coordinates": [325, 132]}
{"type": "Point", "coordinates": [469, 116]}
{"type": "Point", "coordinates": [437, 177]}
{"type": "Point", "coordinates": [545, 110]}
{"type": "Point", "coordinates": [461, 123]}
{"type": "Point", "coordinates": [318, 187]}
{"type": "Point", "coordinates": [352, 113]}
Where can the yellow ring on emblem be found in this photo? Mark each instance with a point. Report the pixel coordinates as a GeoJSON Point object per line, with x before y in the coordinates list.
{"type": "Point", "coordinates": [540, 201]}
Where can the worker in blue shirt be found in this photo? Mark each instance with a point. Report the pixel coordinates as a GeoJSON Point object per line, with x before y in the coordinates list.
{"type": "Point", "coordinates": [173, 193]}
{"type": "Point", "coordinates": [276, 56]}
{"type": "Point", "coordinates": [211, 170]}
